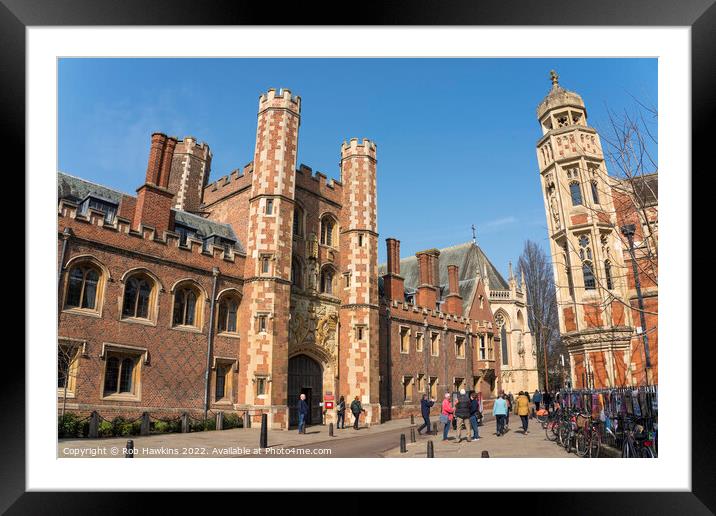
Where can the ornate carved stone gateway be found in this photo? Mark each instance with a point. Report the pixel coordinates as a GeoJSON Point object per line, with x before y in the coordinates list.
{"type": "Point", "coordinates": [313, 329]}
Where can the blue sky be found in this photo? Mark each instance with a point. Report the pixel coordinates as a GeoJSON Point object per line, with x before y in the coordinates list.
{"type": "Point", "coordinates": [456, 137]}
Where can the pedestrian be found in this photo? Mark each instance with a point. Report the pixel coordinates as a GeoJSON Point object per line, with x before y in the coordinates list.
{"type": "Point", "coordinates": [522, 407]}
{"type": "Point", "coordinates": [547, 401]}
{"type": "Point", "coordinates": [356, 408]}
{"type": "Point", "coordinates": [474, 410]}
{"type": "Point", "coordinates": [446, 415]}
{"type": "Point", "coordinates": [509, 399]}
{"type": "Point", "coordinates": [499, 410]}
{"type": "Point", "coordinates": [302, 414]}
{"type": "Point", "coordinates": [462, 411]}
{"type": "Point", "coordinates": [537, 398]}
{"type": "Point", "coordinates": [341, 408]}
{"type": "Point", "coordinates": [425, 405]}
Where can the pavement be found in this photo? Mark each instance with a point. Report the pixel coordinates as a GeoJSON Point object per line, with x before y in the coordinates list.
{"type": "Point", "coordinates": [238, 442]}
{"type": "Point", "coordinates": [513, 444]}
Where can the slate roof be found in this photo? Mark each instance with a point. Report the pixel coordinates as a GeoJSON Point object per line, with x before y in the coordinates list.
{"type": "Point", "coordinates": [469, 258]}
{"type": "Point", "coordinates": [75, 189]}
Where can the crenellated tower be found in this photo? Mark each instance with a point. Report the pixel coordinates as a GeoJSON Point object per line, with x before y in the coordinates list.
{"type": "Point", "coordinates": [268, 255]}
{"type": "Point", "coordinates": [358, 353]}
{"type": "Point", "coordinates": [586, 251]}
{"type": "Point", "coordinates": [190, 169]}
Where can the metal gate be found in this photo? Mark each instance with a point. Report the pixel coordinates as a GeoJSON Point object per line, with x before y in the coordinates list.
{"type": "Point", "coordinates": [304, 377]}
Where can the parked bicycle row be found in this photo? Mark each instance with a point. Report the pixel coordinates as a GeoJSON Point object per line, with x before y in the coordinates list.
{"type": "Point", "coordinates": [585, 420]}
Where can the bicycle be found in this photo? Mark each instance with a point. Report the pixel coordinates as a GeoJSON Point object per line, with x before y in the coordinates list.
{"type": "Point", "coordinates": [636, 443]}
{"type": "Point", "coordinates": [588, 440]}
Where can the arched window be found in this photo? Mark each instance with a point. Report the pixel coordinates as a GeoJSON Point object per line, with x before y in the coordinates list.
{"type": "Point", "coordinates": [608, 274]}
{"type": "Point", "coordinates": [590, 282]}
{"type": "Point", "coordinates": [328, 228]}
{"type": "Point", "coordinates": [137, 296]}
{"type": "Point", "coordinates": [82, 287]}
{"type": "Point", "coordinates": [228, 310]}
{"type": "Point", "coordinates": [595, 192]}
{"type": "Point", "coordinates": [185, 307]}
{"type": "Point", "coordinates": [297, 221]}
{"type": "Point", "coordinates": [576, 193]}
{"type": "Point", "coordinates": [327, 275]}
{"type": "Point", "coordinates": [296, 273]}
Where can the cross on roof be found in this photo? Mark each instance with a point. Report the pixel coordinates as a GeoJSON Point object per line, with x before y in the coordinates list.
{"type": "Point", "coordinates": [474, 234]}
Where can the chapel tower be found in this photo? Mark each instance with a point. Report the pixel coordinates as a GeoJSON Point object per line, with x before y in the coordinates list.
{"type": "Point", "coordinates": [586, 250]}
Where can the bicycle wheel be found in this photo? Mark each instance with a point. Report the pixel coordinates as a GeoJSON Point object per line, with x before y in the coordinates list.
{"type": "Point", "coordinates": [595, 445]}
{"type": "Point", "coordinates": [581, 443]}
{"type": "Point", "coordinates": [563, 434]}
{"type": "Point", "coordinates": [552, 431]}
{"type": "Point", "coordinates": [570, 437]}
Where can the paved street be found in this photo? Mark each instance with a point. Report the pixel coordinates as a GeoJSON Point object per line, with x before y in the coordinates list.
{"type": "Point", "coordinates": [377, 441]}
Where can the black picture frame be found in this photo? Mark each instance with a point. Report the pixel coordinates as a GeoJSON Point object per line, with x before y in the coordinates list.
{"type": "Point", "coordinates": [700, 15]}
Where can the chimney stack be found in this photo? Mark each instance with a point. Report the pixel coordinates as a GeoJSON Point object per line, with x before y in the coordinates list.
{"type": "Point", "coordinates": [428, 265]}
{"type": "Point", "coordinates": [393, 282]}
{"type": "Point", "coordinates": [154, 202]}
{"type": "Point", "coordinates": [453, 301]}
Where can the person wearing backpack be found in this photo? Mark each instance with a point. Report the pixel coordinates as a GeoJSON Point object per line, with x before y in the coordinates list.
{"type": "Point", "coordinates": [462, 411]}
{"type": "Point", "coordinates": [356, 409]}
{"type": "Point", "coordinates": [341, 409]}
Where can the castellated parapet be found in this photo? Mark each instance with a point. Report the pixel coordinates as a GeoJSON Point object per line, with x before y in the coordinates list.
{"type": "Point", "coordinates": [281, 99]}
{"type": "Point", "coordinates": [356, 148]}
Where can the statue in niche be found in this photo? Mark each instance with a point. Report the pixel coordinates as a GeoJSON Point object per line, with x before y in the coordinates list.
{"type": "Point", "coordinates": [554, 207]}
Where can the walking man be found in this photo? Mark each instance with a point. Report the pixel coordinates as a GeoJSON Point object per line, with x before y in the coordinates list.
{"type": "Point", "coordinates": [523, 410]}
{"type": "Point", "coordinates": [474, 409]}
{"type": "Point", "coordinates": [302, 414]}
{"type": "Point", "coordinates": [462, 410]}
{"type": "Point", "coordinates": [537, 398]}
{"type": "Point", "coordinates": [499, 410]}
{"type": "Point", "coordinates": [425, 405]}
{"type": "Point", "coordinates": [356, 409]}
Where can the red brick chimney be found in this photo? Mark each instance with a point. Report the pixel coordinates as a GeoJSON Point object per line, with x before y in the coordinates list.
{"type": "Point", "coordinates": [154, 201]}
{"type": "Point", "coordinates": [428, 287]}
{"type": "Point", "coordinates": [453, 301]}
{"type": "Point", "coordinates": [393, 282]}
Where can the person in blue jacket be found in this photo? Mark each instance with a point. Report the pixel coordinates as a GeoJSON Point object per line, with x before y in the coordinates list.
{"type": "Point", "coordinates": [425, 405]}
{"type": "Point", "coordinates": [302, 414]}
{"type": "Point", "coordinates": [500, 411]}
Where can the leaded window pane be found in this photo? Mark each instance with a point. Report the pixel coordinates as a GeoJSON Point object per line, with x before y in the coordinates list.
{"type": "Point", "coordinates": [503, 338]}
{"type": "Point", "coordinates": [595, 193]}
{"type": "Point", "coordinates": [190, 307]}
{"type": "Point", "coordinates": [74, 290]}
{"type": "Point", "coordinates": [143, 299]}
{"type": "Point", "coordinates": [231, 317]}
{"type": "Point", "coordinates": [125, 384]}
{"type": "Point", "coordinates": [130, 298]}
{"type": "Point", "coordinates": [576, 194]}
{"type": "Point", "coordinates": [220, 382]}
{"type": "Point", "coordinates": [223, 316]}
{"type": "Point", "coordinates": [589, 280]}
{"type": "Point", "coordinates": [111, 375]}
{"type": "Point", "coordinates": [90, 292]}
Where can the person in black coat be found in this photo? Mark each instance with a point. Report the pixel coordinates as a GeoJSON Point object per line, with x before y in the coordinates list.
{"type": "Point", "coordinates": [302, 414]}
{"type": "Point", "coordinates": [341, 409]}
{"type": "Point", "coordinates": [425, 405]}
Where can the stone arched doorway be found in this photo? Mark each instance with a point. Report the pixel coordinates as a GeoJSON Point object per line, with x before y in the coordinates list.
{"type": "Point", "coordinates": [305, 376]}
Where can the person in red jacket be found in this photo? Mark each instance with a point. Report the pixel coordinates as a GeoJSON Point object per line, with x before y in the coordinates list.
{"type": "Point", "coordinates": [446, 415]}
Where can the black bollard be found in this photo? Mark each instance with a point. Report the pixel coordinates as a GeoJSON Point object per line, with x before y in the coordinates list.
{"type": "Point", "coordinates": [219, 420]}
{"type": "Point", "coordinates": [485, 455]}
{"type": "Point", "coordinates": [129, 451]}
{"type": "Point", "coordinates": [412, 435]}
{"type": "Point", "coordinates": [264, 431]}
{"type": "Point", "coordinates": [435, 429]}
{"type": "Point", "coordinates": [144, 428]}
{"type": "Point", "coordinates": [94, 425]}
{"type": "Point", "coordinates": [431, 451]}
{"type": "Point", "coordinates": [412, 419]}
{"type": "Point", "coordinates": [403, 449]}
{"type": "Point", "coordinates": [330, 429]}
{"type": "Point", "coordinates": [247, 420]}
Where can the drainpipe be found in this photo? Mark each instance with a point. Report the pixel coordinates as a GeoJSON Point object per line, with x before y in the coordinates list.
{"type": "Point", "coordinates": [65, 240]}
{"type": "Point", "coordinates": [210, 341]}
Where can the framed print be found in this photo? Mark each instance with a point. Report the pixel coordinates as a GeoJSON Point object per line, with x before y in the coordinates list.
{"type": "Point", "coordinates": [228, 290]}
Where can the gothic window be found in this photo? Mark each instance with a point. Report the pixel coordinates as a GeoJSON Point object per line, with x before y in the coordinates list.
{"type": "Point", "coordinates": [138, 292]}
{"type": "Point", "coordinates": [328, 229]}
{"type": "Point", "coordinates": [576, 193]}
{"type": "Point", "coordinates": [589, 279]}
{"type": "Point", "coordinates": [185, 306]}
{"type": "Point", "coordinates": [562, 120]}
{"type": "Point", "coordinates": [297, 221]}
{"type": "Point", "coordinates": [327, 280]}
{"type": "Point", "coordinates": [82, 287]}
{"type": "Point", "coordinates": [228, 310]}
{"type": "Point", "coordinates": [595, 192]}
{"type": "Point", "coordinates": [608, 274]}
{"type": "Point", "coordinates": [296, 273]}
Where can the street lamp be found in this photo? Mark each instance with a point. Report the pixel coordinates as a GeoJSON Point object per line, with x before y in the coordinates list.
{"type": "Point", "coordinates": [628, 231]}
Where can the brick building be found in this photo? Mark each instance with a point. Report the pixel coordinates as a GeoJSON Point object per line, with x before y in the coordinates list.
{"type": "Point", "coordinates": [243, 293]}
{"type": "Point", "coordinates": [587, 210]}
